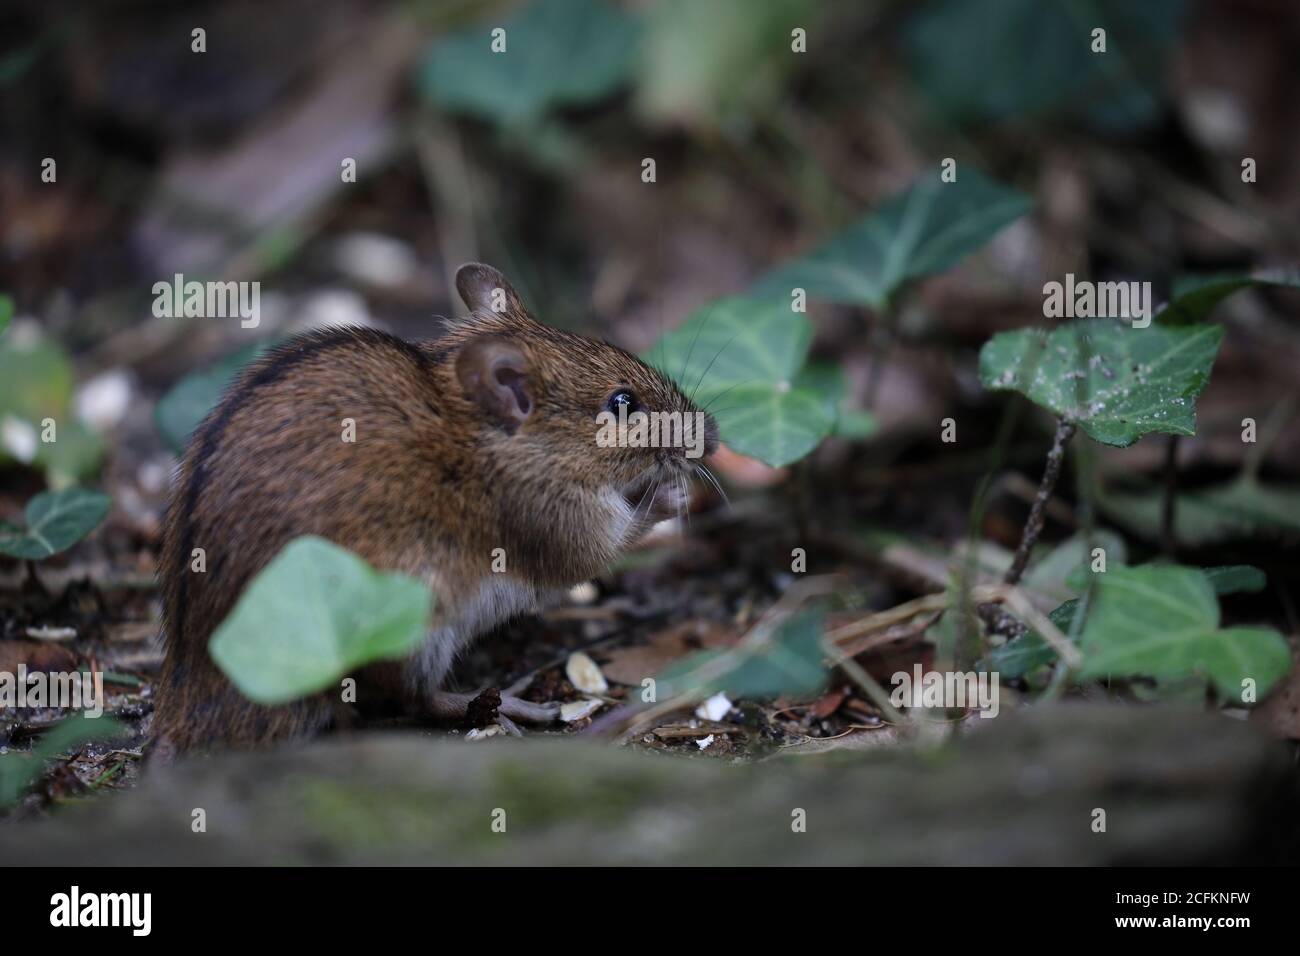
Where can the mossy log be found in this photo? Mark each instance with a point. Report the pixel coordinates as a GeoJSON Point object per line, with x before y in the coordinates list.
{"type": "Point", "coordinates": [1175, 786]}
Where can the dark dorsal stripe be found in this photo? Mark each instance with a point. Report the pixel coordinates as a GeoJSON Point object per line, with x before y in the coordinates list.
{"type": "Point", "coordinates": [274, 366]}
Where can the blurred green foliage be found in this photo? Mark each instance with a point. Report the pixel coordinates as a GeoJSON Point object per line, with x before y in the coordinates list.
{"type": "Point", "coordinates": [36, 385]}
{"type": "Point", "coordinates": [55, 521]}
{"type": "Point", "coordinates": [707, 64]}
{"type": "Point", "coordinates": [929, 227]}
{"type": "Point", "coordinates": [557, 53]}
{"type": "Point", "coordinates": [18, 771]}
{"type": "Point", "coordinates": [1028, 61]}
{"type": "Point", "coordinates": [313, 615]}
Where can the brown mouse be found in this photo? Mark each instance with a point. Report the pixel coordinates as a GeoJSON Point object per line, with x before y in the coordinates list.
{"type": "Point", "coordinates": [482, 439]}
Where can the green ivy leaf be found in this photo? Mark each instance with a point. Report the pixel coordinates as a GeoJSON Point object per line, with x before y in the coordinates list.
{"type": "Point", "coordinates": [1195, 296]}
{"type": "Point", "coordinates": [187, 402]}
{"type": "Point", "coordinates": [1116, 382]}
{"type": "Point", "coordinates": [1023, 654]}
{"type": "Point", "coordinates": [1235, 579]}
{"type": "Point", "coordinates": [558, 53]}
{"type": "Point", "coordinates": [1052, 574]}
{"type": "Point", "coordinates": [313, 615]}
{"type": "Point", "coordinates": [1026, 60]}
{"type": "Point", "coordinates": [732, 342]}
{"type": "Point", "coordinates": [925, 229]}
{"type": "Point", "coordinates": [792, 663]}
{"type": "Point", "coordinates": [742, 359]}
{"type": "Point", "coordinates": [1028, 652]}
{"type": "Point", "coordinates": [18, 771]}
{"type": "Point", "coordinates": [6, 312]}
{"type": "Point", "coordinates": [1162, 621]}
{"type": "Point", "coordinates": [1241, 508]}
{"type": "Point", "coordinates": [774, 424]}
{"type": "Point", "coordinates": [56, 520]}
{"type": "Point", "coordinates": [828, 382]}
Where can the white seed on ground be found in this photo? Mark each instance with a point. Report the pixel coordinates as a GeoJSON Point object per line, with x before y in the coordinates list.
{"type": "Point", "coordinates": [585, 675]}
{"type": "Point", "coordinates": [715, 708]}
{"type": "Point", "coordinates": [576, 710]}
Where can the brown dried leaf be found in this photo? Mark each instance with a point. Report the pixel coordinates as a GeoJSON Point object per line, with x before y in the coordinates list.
{"type": "Point", "coordinates": [631, 665]}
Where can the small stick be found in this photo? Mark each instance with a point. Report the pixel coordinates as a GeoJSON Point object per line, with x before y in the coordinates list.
{"type": "Point", "coordinates": [1034, 525]}
{"type": "Point", "coordinates": [879, 696]}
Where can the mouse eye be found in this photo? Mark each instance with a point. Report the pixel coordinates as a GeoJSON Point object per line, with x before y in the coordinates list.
{"type": "Point", "coordinates": [621, 397]}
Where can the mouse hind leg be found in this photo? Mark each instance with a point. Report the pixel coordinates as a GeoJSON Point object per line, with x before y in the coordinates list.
{"type": "Point", "coordinates": [220, 717]}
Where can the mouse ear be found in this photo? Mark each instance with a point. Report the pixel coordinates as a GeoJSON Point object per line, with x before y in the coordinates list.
{"type": "Point", "coordinates": [484, 289]}
{"type": "Point", "coordinates": [494, 374]}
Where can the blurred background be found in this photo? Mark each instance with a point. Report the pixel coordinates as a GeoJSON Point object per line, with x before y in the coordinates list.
{"type": "Point", "coordinates": [231, 164]}
{"type": "Point", "coordinates": [226, 164]}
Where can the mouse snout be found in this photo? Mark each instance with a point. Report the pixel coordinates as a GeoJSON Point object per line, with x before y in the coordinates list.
{"type": "Point", "coordinates": [697, 439]}
{"type": "Point", "coordinates": [710, 434]}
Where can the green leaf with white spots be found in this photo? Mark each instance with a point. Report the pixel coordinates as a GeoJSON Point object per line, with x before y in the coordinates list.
{"type": "Point", "coordinates": [313, 615]}
{"type": "Point", "coordinates": [1162, 621]}
{"type": "Point", "coordinates": [557, 53]}
{"type": "Point", "coordinates": [1116, 382]}
{"type": "Point", "coordinates": [1195, 296]}
{"type": "Point", "coordinates": [55, 521]}
{"type": "Point", "coordinates": [925, 229]}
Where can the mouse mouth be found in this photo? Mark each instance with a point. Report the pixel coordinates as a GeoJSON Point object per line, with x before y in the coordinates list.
{"type": "Point", "coordinates": [641, 486]}
{"type": "Point", "coordinates": [659, 492]}
{"type": "Point", "coordinates": [654, 482]}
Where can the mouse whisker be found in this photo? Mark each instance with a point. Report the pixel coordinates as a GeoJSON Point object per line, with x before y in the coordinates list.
{"type": "Point", "coordinates": [683, 501]}
{"type": "Point", "coordinates": [709, 403]}
{"type": "Point", "coordinates": [703, 471]}
{"type": "Point", "coordinates": [708, 367]}
{"type": "Point", "coordinates": [691, 351]}
{"type": "Point", "coordinates": [647, 495]}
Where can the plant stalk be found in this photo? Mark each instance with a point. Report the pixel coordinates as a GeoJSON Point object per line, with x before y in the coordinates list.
{"type": "Point", "coordinates": [1037, 512]}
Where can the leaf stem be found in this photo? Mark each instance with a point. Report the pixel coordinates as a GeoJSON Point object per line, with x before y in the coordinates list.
{"type": "Point", "coordinates": [1037, 512]}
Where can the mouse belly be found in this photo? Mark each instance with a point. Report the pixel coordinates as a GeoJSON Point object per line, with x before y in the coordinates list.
{"type": "Point", "coordinates": [496, 599]}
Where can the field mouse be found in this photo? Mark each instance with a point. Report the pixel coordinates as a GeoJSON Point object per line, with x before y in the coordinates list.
{"type": "Point", "coordinates": [481, 439]}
